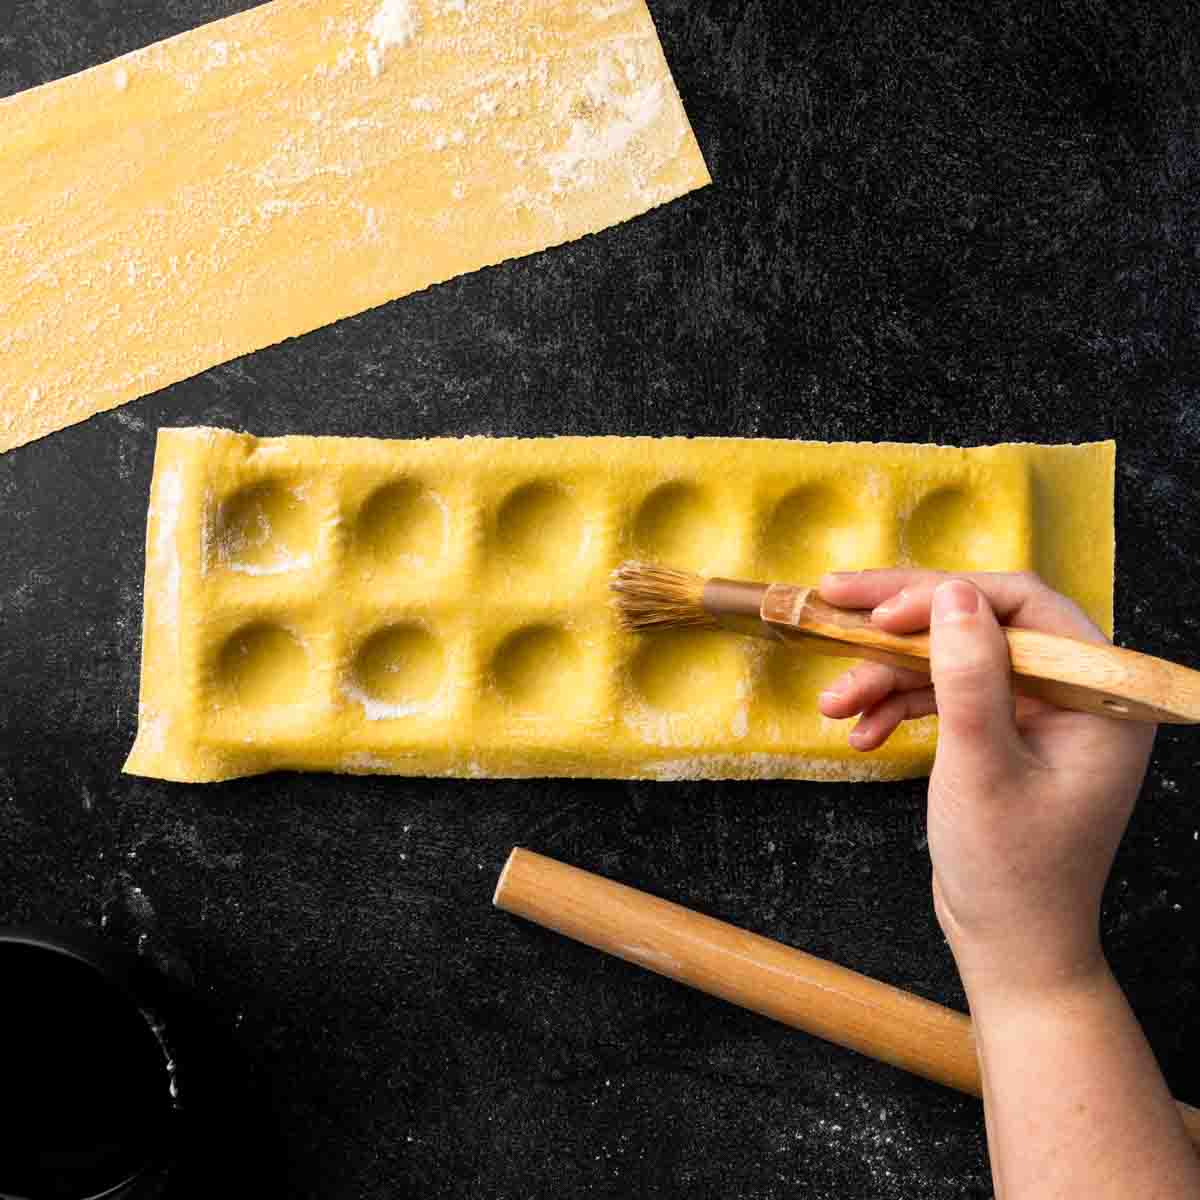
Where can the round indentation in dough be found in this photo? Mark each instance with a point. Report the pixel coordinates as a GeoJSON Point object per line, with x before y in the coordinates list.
{"type": "Point", "coordinates": [541, 670]}
{"type": "Point", "coordinates": [263, 666]}
{"type": "Point", "coordinates": [950, 530]}
{"type": "Point", "coordinates": [398, 670]}
{"type": "Point", "coordinates": [267, 529]}
{"type": "Point", "coordinates": [403, 524]}
{"type": "Point", "coordinates": [796, 677]}
{"type": "Point", "coordinates": [690, 671]}
{"type": "Point", "coordinates": [814, 529]}
{"type": "Point", "coordinates": [540, 525]}
{"type": "Point", "coordinates": [680, 524]}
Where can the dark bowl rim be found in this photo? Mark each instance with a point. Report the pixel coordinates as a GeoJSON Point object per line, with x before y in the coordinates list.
{"type": "Point", "coordinates": [115, 964]}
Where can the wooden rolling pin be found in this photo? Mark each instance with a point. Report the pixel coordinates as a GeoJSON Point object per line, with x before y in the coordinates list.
{"type": "Point", "coordinates": [767, 977]}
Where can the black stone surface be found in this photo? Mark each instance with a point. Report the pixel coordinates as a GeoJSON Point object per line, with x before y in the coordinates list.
{"type": "Point", "coordinates": [951, 221]}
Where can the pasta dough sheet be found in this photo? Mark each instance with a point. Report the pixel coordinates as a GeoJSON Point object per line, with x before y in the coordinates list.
{"type": "Point", "coordinates": [268, 174]}
{"type": "Point", "coordinates": [441, 607]}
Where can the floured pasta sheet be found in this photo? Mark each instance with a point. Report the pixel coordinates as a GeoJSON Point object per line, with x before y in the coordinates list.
{"type": "Point", "coordinates": [441, 607]}
{"type": "Point", "coordinates": [268, 174]}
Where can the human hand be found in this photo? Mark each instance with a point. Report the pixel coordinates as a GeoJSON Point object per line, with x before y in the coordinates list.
{"type": "Point", "coordinates": [1027, 802]}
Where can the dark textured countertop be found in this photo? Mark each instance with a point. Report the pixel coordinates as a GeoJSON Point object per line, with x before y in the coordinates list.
{"type": "Point", "coordinates": [953, 222]}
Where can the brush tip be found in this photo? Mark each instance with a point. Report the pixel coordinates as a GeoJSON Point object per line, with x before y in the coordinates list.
{"type": "Point", "coordinates": [651, 596]}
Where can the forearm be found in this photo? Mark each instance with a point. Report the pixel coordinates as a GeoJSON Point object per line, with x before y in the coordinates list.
{"type": "Point", "coordinates": [1076, 1104]}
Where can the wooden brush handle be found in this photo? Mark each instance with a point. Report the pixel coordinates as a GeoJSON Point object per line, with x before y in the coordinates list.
{"type": "Point", "coordinates": [767, 977]}
{"type": "Point", "coordinates": [1091, 677]}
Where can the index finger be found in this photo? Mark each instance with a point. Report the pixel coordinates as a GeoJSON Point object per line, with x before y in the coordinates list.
{"type": "Point", "coordinates": [1019, 599]}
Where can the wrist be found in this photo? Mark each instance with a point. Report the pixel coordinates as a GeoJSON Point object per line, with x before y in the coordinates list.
{"type": "Point", "coordinates": [1026, 952]}
{"type": "Point", "coordinates": [1029, 976]}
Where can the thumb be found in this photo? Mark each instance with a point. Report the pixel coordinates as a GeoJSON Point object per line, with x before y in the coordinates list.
{"type": "Point", "coordinates": [968, 658]}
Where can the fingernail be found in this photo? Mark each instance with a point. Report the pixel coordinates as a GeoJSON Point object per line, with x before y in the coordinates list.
{"type": "Point", "coordinates": [840, 575]}
{"type": "Point", "coordinates": [890, 605]}
{"type": "Point", "coordinates": [954, 600]}
{"type": "Point", "coordinates": [856, 737]}
{"type": "Point", "coordinates": [830, 693]}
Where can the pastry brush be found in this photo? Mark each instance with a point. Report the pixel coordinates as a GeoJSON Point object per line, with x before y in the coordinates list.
{"type": "Point", "coordinates": [1087, 676]}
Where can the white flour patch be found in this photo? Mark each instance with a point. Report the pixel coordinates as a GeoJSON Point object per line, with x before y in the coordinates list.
{"type": "Point", "coordinates": [611, 113]}
{"type": "Point", "coordinates": [168, 508]}
{"type": "Point", "coordinates": [233, 544]}
{"type": "Point", "coordinates": [152, 729]}
{"type": "Point", "coordinates": [362, 760]}
{"type": "Point", "coordinates": [120, 79]}
{"type": "Point", "coordinates": [396, 23]}
{"type": "Point", "coordinates": [280, 566]}
{"type": "Point", "coordinates": [602, 12]}
{"type": "Point", "coordinates": [656, 727]}
{"type": "Point", "coordinates": [380, 710]}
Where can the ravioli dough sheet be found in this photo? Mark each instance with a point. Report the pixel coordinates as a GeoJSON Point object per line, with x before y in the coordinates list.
{"type": "Point", "coordinates": [441, 607]}
{"type": "Point", "coordinates": [273, 172]}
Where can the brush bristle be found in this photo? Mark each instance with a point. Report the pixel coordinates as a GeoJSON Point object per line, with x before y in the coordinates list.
{"type": "Point", "coordinates": [652, 597]}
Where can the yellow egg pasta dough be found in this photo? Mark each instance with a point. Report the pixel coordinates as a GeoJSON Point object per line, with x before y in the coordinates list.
{"type": "Point", "coordinates": [268, 174]}
{"type": "Point", "coordinates": [441, 607]}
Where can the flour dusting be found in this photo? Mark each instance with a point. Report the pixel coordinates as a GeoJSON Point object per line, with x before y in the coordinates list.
{"type": "Point", "coordinates": [362, 760]}
{"type": "Point", "coordinates": [603, 12]}
{"type": "Point", "coordinates": [281, 566]}
{"type": "Point", "coordinates": [168, 508]}
{"type": "Point", "coordinates": [379, 710]}
{"type": "Point", "coordinates": [741, 722]}
{"type": "Point", "coordinates": [396, 23]}
{"type": "Point", "coordinates": [768, 766]}
{"type": "Point", "coordinates": [120, 79]}
{"type": "Point", "coordinates": [610, 115]}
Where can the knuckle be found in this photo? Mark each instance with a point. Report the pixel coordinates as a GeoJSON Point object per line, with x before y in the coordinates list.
{"type": "Point", "coordinates": [966, 696]}
{"type": "Point", "coordinates": [965, 675]}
